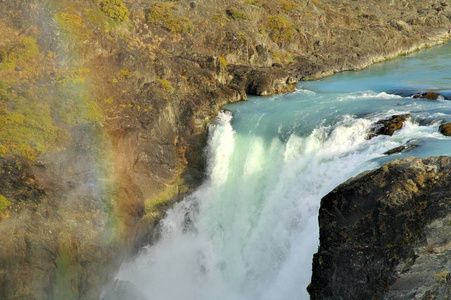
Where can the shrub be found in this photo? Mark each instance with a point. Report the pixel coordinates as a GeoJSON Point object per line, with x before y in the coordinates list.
{"type": "Point", "coordinates": [4, 203]}
{"type": "Point", "coordinates": [115, 9]}
{"type": "Point", "coordinates": [20, 52]}
{"type": "Point", "coordinates": [162, 13]}
{"type": "Point", "coordinates": [280, 29]}
{"type": "Point", "coordinates": [72, 25]}
{"type": "Point", "coordinates": [235, 14]}
{"type": "Point", "coordinates": [281, 57]}
{"type": "Point", "coordinates": [27, 128]}
{"type": "Point", "coordinates": [166, 85]}
{"type": "Point", "coordinates": [287, 5]}
{"type": "Point", "coordinates": [223, 61]}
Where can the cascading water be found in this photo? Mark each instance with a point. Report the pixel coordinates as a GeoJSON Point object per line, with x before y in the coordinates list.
{"type": "Point", "coordinates": [249, 232]}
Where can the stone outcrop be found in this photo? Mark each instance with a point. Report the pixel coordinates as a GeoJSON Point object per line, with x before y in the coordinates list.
{"type": "Point", "coordinates": [386, 234]}
{"type": "Point", "coordinates": [388, 126]}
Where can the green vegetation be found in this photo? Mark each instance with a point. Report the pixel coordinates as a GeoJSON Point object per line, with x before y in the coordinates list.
{"type": "Point", "coordinates": [107, 24]}
{"type": "Point", "coordinates": [223, 61]}
{"type": "Point", "coordinates": [162, 13]}
{"type": "Point", "coordinates": [281, 57]}
{"type": "Point", "coordinates": [152, 205]}
{"type": "Point", "coordinates": [124, 74]}
{"type": "Point", "coordinates": [115, 9]}
{"type": "Point", "coordinates": [25, 49]}
{"type": "Point", "coordinates": [280, 29]}
{"type": "Point", "coordinates": [217, 18]}
{"type": "Point", "coordinates": [4, 203]}
{"type": "Point", "coordinates": [166, 85]}
{"type": "Point", "coordinates": [235, 14]}
{"type": "Point", "coordinates": [287, 5]}
{"type": "Point", "coordinates": [35, 114]}
{"type": "Point", "coordinates": [78, 106]}
{"type": "Point", "coordinates": [221, 19]}
{"type": "Point", "coordinates": [26, 124]}
{"type": "Point", "coordinates": [71, 24]}
{"type": "Point", "coordinates": [257, 3]}
{"type": "Point", "coordinates": [27, 127]}
{"type": "Point", "coordinates": [73, 76]}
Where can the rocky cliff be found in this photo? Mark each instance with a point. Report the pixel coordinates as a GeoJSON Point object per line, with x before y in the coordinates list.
{"type": "Point", "coordinates": [386, 234]}
{"type": "Point", "coordinates": [104, 106]}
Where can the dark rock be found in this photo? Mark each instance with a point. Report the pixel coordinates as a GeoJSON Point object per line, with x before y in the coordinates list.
{"type": "Point", "coordinates": [427, 95]}
{"type": "Point", "coordinates": [400, 149]}
{"type": "Point", "coordinates": [418, 94]}
{"type": "Point", "coordinates": [263, 81]}
{"type": "Point", "coordinates": [386, 233]}
{"type": "Point", "coordinates": [445, 129]}
{"type": "Point", "coordinates": [388, 126]}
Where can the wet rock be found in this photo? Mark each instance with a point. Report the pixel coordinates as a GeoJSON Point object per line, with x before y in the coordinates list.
{"type": "Point", "coordinates": [400, 149]}
{"type": "Point", "coordinates": [388, 126]}
{"type": "Point", "coordinates": [428, 95]}
{"type": "Point", "coordinates": [418, 94]}
{"type": "Point", "coordinates": [226, 111]}
{"type": "Point", "coordinates": [386, 234]}
{"type": "Point", "coordinates": [445, 129]}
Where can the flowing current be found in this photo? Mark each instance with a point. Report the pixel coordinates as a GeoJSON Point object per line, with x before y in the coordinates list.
{"type": "Point", "coordinates": [250, 231]}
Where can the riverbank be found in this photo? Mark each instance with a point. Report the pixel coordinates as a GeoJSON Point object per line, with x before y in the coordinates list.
{"type": "Point", "coordinates": [126, 98]}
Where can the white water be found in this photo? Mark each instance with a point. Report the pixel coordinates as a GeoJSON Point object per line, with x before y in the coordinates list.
{"type": "Point", "coordinates": [249, 232]}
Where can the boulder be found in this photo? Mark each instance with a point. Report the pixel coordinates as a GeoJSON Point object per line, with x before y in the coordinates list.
{"type": "Point", "coordinates": [386, 234]}
{"type": "Point", "coordinates": [427, 95]}
{"type": "Point", "coordinates": [445, 129]}
{"type": "Point", "coordinates": [388, 126]}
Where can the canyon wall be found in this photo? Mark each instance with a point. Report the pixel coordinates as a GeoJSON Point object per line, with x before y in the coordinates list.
{"type": "Point", "coordinates": [104, 107]}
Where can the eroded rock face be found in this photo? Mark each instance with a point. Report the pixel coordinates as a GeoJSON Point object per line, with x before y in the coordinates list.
{"type": "Point", "coordinates": [386, 233]}
{"type": "Point", "coordinates": [263, 81]}
{"type": "Point", "coordinates": [388, 126]}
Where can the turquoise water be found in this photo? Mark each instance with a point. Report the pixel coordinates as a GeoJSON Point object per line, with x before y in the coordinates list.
{"type": "Point", "coordinates": [249, 232]}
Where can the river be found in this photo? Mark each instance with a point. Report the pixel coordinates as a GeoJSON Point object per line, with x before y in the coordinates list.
{"type": "Point", "coordinates": [250, 231]}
